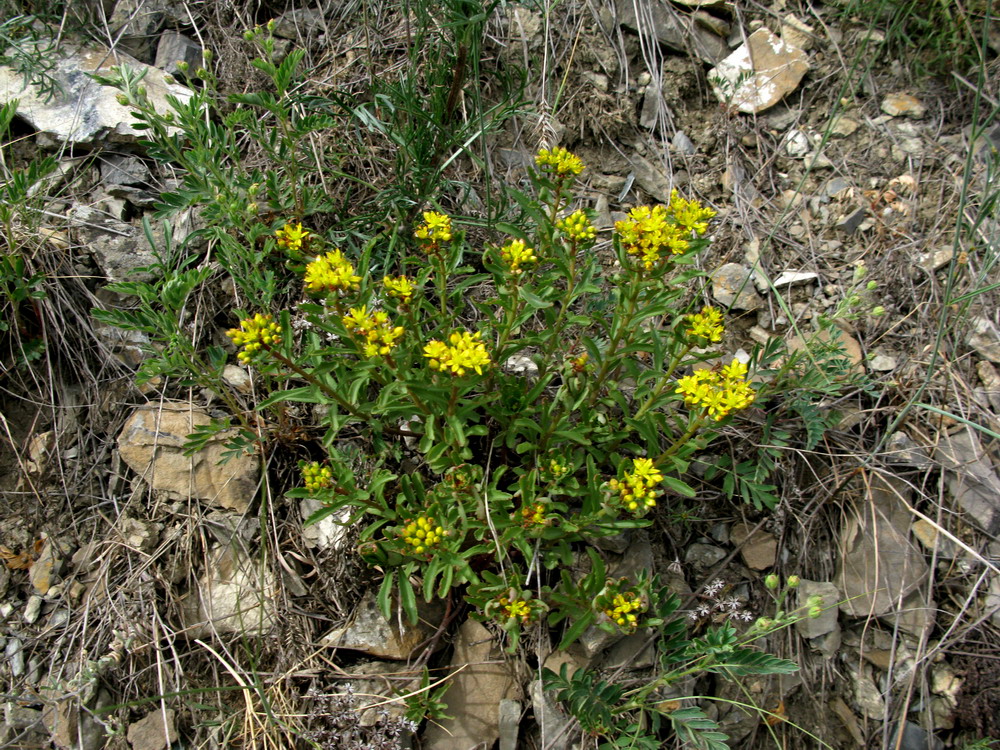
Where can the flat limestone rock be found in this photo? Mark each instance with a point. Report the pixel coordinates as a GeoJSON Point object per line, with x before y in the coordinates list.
{"type": "Point", "coordinates": [759, 74]}
{"type": "Point", "coordinates": [83, 111]}
{"type": "Point", "coordinates": [877, 564]}
{"type": "Point", "coordinates": [152, 444]}
{"type": "Point", "coordinates": [673, 28]}
{"type": "Point", "coordinates": [475, 695]}
{"type": "Point", "coordinates": [369, 631]}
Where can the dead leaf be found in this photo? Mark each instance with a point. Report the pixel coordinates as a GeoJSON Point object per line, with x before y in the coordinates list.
{"type": "Point", "coordinates": [15, 560]}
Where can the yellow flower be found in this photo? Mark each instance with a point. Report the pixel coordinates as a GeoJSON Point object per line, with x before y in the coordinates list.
{"type": "Point", "coordinates": [436, 228]}
{"type": "Point", "coordinates": [399, 287]}
{"type": "Point", "coordinates": [422, 534]}
{"type": "Point", "coordinates": [636, 490]}
{"type": "Point", "coordinates": [690, 216]}
{"type": "Point", "coordinates": [648, 234]}
{"type": "Point", "coordinates": [706, 325]}
{"type": "Point", "coordinates": [331, 273]}
{"type": "Point", "coordinates": [719, 393]}
{"type": "Point", "coordinates": [291, 236]}
{"type": "Point", "coordinates": [559, 161]}
{"type": "Point", "coordinates": [256, 335]}
{"type": "Point", "coordinates": [518, 609]}
{"type": "Point", "coordinates": [533, 515]}
{"type": "Point", "coordinates": [464, 351]}
{"type": "Point", "coordinates": [376, 331]}
{"type": "Point", "coordinates": [516, 254]}
{"type": "Point", "coordinates": [577, 227]}
{"type": "Point", "coordinates": [315, 476]}
{"type": "Point", "coordinates": [623, 608]}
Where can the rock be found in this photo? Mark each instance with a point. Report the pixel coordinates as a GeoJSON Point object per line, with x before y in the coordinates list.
{"type": "Point", "coordinates": [120, 250]}
{"type": "Point", "coordinates": [928, 535]}
{"type": "Point", "coordinates": [985, 338]}
{"type": "Point", "coordinates": [796, 32]}
{"type": "Point", "coordinates": [759, 74]}
{"type": "Point", "coordinates": [877, 565]}
{"type": "Point", "coordinates": [118, 169]}
{"type": "Point", "coordinates": [299, 23]}
{"type": "Point", "coordinates": [72, 728]}
{"type": "Point", "coordinates": [682, 144]}
{"type": "Point", "coordinates": [152, 444]}
{"type": "Point", "coordinates": [716, 25]}
{"type": "Point", "coordinates": [155, 731]}
{"type": "Point", "coordinates": [990, 379]}
{"type": "Point", "coordinates": [33, 609]}
{"type": "Point", "coordinates": [673, 29]}
{"type": "Point", "coordinates": [703, 556]}
{"type": "Point", "coordinates": [795, 278]}
{"type": "Point", "coordinates": [902, 449]}
{"type": "Point", "coordinates": [635, 651]}
{"type": "Point", "coordinates": [850, 345]}
{"type": "Point", "coordinates": [972, 480]}
{"type": "Point", "coordinates": [867, 695]}
{"type": "Point", "coordinates": [827, 621]}
{"type": "Point", "coordinates": [554, 724]}
{"type": "Point", "coordinates": [758, 550]}
{"type": "Point", "coordinates": [84, 111]}
{"type": "Point", "coordinates": [654, 181]}
{"type": "Point", "coordinates": [883, 363]}
{"type": "Point", "coordinates": [843, 127]}
{"type": "Point", "coordinates": [329, 533]}
{"type": "Point", "coordinates": [140, 535]}
{"type": "Point", "coordinates": [797, 144]}
{"type": "Point", "coordinates": [638, 557]}
{"type": "Point", "coordinates": [176, 48]}
{"type": "Point", "coordinates": [237, 377]}
{"type": "Point", "coordinates": [933, 260]}
{"type": "Point", "coordinates": [369, 695]}
{"type": "Point", "coordinates": [903, 105]}
{"type": "Point", "coordinates": [137, 23]}
{"type": "Point", "coordinates": [781, 117]}
{"type": "Point", "coordinates": [852, 221]}
{"type": "Point", "coordinates": [482, 679]}
{"type": "Point", "coordinates": [843, 712]}
{"type": "Point", "coordinates": [508, 724]}
{"type": "Point", "coordinates": [45, 570]}
{"type": "Point", "coordinates": [370, 632]}
{"type": "Point", "coordinates": [913, 738]}
{"type": "Point", "coordinates": [233, 596]}
{"type": "Point", "coordinates": [521, 366]}
{"type": "Point", "coordinates": [732, 287]}
{"type": "Point", "coordinates": [14, 652]}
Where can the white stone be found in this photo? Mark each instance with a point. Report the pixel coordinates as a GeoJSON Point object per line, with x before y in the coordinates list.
{"type": "Point", "coordinates": [759, 74]}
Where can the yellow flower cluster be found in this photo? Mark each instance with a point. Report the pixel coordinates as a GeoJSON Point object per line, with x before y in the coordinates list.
{"type": "Point", "coordinates": [516, 254]}
{"type": "Point", "coordinates": [533, 515]}
{"type": "Point", "coordinates": [559, 161]}
{"type": "Point", "coordinates": [577, 227]}
{"type": "Point", "coordinates": [422, 534]}
{"type": "Point", "coordinates": [331, 273]}
{"type": "Point", "coordinates": [517, 608]}
{"type": "Point", "coordinates": [706, 324]}
{"type": "Point", "coordinates": [255, 335]}
{"type": "Point", "coordinates": [291, 236]}
{"type": "Point", "coordinates": [464, 351]}
{"type": "Point", "coordinates": [637, 489]}
{"type": "Point", "coordinates": [435, 230]}
{"type": "Point", "coordinates": [720, 392]}
{"type": "Point", "coordinates": [622, 610]}
{"type": "Point", "coordinates": [648, 232]}
{"type": "Point", "coordinates": [690, 216]}
{"type": "Point", "coordinates": [375, 328]}
{"type": "Point", "coordinates": [579, 364]}
{"type": "Point", "coordinates": [316, 477]}
{"type": "Point", "coordinates": [399, 287]}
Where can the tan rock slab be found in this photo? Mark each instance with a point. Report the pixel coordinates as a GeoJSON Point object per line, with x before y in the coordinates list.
{"type": "Point", "coordinates": [759, 74]}
{"type": "Point", "coordinates": [152, 444]}
{"type": "Point", "coordinates": [475, 694]}
{"type": "Point", "coordinates": [758, 550]}
{"type": "Point", "coordinates": [369, 631]}
{"type": "Point", "coordinates": [155, 731]}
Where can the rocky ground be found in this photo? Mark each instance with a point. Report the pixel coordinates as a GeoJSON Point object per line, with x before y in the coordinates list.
{"type": "Point", "coordinates": [128, 567]}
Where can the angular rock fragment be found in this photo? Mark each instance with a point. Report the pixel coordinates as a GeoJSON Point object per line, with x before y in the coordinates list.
{"type": "Point", "coordinates": [759, 74]}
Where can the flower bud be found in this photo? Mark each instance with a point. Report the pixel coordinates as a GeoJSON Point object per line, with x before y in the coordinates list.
{"type": "Point", "coordinates": [793, 582]}
{"type": "Point", "coordinates": [271, 25]}
{"type": "Point", "coordinates": [772, 582]}
{"type": "Point", "coordinates": [122, 100]}
{"type": "Point", "coordinates": [248, 35]}
{"type": "Point", "coordinates": [878, 311]}
{"type": "Point", "coordinates": [201, 73]}
{"type": "Point", "coordinates": [207, 56]}
{"type": "Point", "coordinates": [872, 286]}
{"type": "Point", "coordinates": [859, 272]}
{"type": "Point", "coordinates": [182, 66]}
{"type": "Point", "coordinates": [815, 612]}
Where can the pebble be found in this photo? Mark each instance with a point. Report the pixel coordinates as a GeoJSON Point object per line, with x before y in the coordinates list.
{"type": "Point", "coordinates": [33, 609]}
{"type": "Point", "coordinates": [15, 655]}
{"type": "Point", "coordinates": [883, 363]}
{"type": "Point", "coordinates": [844, 126]}
{"type": "Point", "coordinates": [903, 105]}
{"type": "Point", "coordinates": [793, 278]}
{"type": "Point", "coordinates": [682, 144]}
{"type": "Point", "coordinates": [797, 144]}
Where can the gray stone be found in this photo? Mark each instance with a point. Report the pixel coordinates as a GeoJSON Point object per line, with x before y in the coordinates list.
{"type": "Point", "coordinates": [121, 169]}
{"type": "Point", "coordinates": [176, 48]}
{"type": "Point", "coordinates": [369, 631]}
{"type": "Point", "coordinates": [827, 621]}
{"type": "Point", "coordinates": [330, 532]}
{"type": "Point", "coordinates": [759, 73]}
{"type": "Point", "coordinates": [867, 695]}
{"type": "Point", "coordinates": [852, 221]}
{"type": "Point", "coordinates": [33, 609]}
{"type": "Point", "coordinates": [74, 728]}
{"type": "Point", "coordinates": [682, 144]}
{"type": "Point", "coordinates": [903, 449]}
{"type": "Point", "coordinates": [933, 260]}
{"type": "Point", "coordinates": [797, 143]}
{"type": "Point", "coordinates": [883, 363]}
{"type": "Point", "coordinates": [654, 180]}
{"type": "Point", "coordinates": [83, 111]}
{"type": "Point", "coordinates": [299, 23]}
{"type": "Point", "coordinates": [481, 680]}
{"type": "Point", "coordinates": [758, 549]}
{"type": "Point", "coordinates": [984, 337]}
{"type": "Point", "coordinates": [233, 596]}
{"type": "Point", "coordinates": [120, 250]}
{"type": "Point", "coordinates": [703, 556]}
{"type": "Point", "coordinates": [843, 127]}
{"type": "Point", "coordinates": [716, 25]}
{"type": "Point", "coordinates": [796, 32]}
{"type": "Point", "coordinates": [877, 564]}
{"type": "Point", "coordinates": [903, 105]}
{"type": "Point", "coordinates": [913, 738]}
{"type": "Point", "coordinates": [732, 287]}
{"type": "Point", "coordinates": [554, 725]}
{"type": "Point", "coordinates": [509, 723]}
{"type": "Point", "coordinates": [154, 731]}
{"type": "Point", "coordinates": [795, 278]}
{"type": "Point", "coordinates": [674, 29]}
{"type": "Point", "coordinates": [972, 479]}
